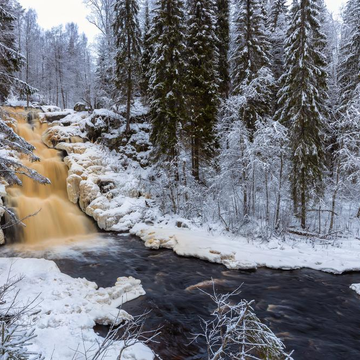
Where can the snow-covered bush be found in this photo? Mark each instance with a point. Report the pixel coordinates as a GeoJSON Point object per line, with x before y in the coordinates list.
{"type": "Point", "coordinates": [235, 332]}
{"type": "Point", "coordinates": [15, 333]}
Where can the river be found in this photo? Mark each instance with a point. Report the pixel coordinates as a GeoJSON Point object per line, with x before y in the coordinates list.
{"type": "Point", "coordinates": [316, 314]}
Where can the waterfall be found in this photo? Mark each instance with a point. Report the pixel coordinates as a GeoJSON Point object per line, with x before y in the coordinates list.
{"type": "Point", "coordinates": [58, 219]}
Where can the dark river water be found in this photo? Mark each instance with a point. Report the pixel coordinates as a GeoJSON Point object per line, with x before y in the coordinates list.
{"type": "Point", "coordinates": [314, 313]}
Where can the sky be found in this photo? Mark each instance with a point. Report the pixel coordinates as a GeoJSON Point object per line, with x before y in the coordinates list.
{"type": "Point", "coordinates": [55, 12]}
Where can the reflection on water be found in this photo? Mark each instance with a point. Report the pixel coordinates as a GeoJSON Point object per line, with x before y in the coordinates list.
{"type": "Point", "coordinates": [315, 313]}
{"type": "Point", "coordinates": [58, 219]}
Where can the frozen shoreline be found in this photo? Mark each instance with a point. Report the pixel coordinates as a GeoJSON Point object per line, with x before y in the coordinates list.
{"type": "Point", "coordinates": [241, 253]}
{"type": "Point", "coordinates": [67, 309]}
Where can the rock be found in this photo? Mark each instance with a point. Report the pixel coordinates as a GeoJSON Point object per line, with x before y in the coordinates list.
{"type": "Point", "coordinates": [57, 134]}
{"type": "Point", "coordinates": [181, 224]}
{"type": "Point", "coordinates": [73, 188]}
{"type": "Point", "coordinates": [56, 116]}
{"type": "Point", "coordinates": [88, 193]}
{"type": "Point", "coordinates": [2, 237]}
{"type": "Point", "coordinates": [80, 107]}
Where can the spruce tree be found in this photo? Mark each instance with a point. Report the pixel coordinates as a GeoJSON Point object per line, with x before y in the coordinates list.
{"type": "Point", "coordinates": [349, 63]}
{"type": "Point", "coordinates": [278, 27]}
{"type": "Point", "coordinates": [167, 70]}
{"type": "Point", "coordinates": [302, 99]}
{"type": "Point", "coordinates": [223, 37]}
{"type": "Point", "coordinates": [202, 89]}
{"type": "Point", "coordinates": [11, 60]}
{"type": "Point", "coordinates": [128, 50]}
{"type": "Point", "coordinates": [146, 54]}
{"type": "Point", "coordinates": [251, 62]}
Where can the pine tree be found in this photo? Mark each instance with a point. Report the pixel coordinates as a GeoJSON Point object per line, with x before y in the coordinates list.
{"type": "Point", "coordinates": [223, 37]}
{"type": "Point", "coordinates": [251, 61]}
{"type": "Point", "coordinates": [201, 80]}
{"type": "Point", "coordinates": [128, 50]}
{"type": "Point", "coordinates": [167, 76]}
{"type": "Point", "coordinates": [349, 64]}
{"type": "Point", "coordinates": [302, 99]}
{"type": "Point", "coordinates": [278, 26]}
{"type": "Point", "coordinates": [146, 53]}
{"type": "Point", "coordinates": [11, 60]}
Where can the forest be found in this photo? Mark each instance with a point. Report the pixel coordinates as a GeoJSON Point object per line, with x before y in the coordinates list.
{"type": "Point", "coordinates": [224, 130]}
{"type": "Point", "coordinates": [253, 105]}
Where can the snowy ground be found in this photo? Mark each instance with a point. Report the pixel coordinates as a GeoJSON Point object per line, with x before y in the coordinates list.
{"type": "Point", "coordinates": [241, 253]}
{"type": "Point", "coordinates": [67, 309]}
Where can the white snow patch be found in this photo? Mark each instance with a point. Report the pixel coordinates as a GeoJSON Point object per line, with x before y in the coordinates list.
{"type": "Point", "coordinates": [69, 308]}
{"type": "Point", "coordinates": [241, 253]}
{"type": "Point", "coordinates": [356, 288]}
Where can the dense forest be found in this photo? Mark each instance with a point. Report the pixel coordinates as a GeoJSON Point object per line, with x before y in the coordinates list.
{"type": "Point", "coordinates": [253, 104]}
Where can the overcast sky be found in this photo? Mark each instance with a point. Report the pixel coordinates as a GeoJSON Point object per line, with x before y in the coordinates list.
{"type": "Point", "coordinates": [55, 12]}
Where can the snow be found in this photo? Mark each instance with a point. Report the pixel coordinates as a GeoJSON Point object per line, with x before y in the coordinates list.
{"type": "Point", "coordinates": [67, 309]}
{"type": "Point", "coordinates": [50, 108]}
{"type": "Point", "coordinates": [104, 189]}
{"type": "Point", "coordinates": [13, 102]}
{"type": "Point", "coordinates": [241, 253]}
{"type": "Point", "coordinates": [356, 288]}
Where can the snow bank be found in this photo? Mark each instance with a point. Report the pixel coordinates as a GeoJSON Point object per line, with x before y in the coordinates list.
{"type": "Point", "coordinates": [68, 308]}
{"type": "Point", "coordinates": [241, 253]}
{"type": "Point", "coordinates": [104, 189]}
{"type": "Point", "coordinates": [50, 108]}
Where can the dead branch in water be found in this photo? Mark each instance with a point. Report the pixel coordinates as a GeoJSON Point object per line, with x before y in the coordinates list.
{"type": "Point", "coordinates": [14, 220]}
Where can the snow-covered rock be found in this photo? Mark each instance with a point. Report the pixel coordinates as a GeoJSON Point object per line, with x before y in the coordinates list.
{"type": "Point", "coordinates": [105, 190]}
{"type": "Point", "coordinates": [50, 108]}
{"type": "Point", "coordinates": [356, 288]}
{"type": "Point", "coordinates": [67, 309]}
{"type": "Point", "coordinates": [57, 134]}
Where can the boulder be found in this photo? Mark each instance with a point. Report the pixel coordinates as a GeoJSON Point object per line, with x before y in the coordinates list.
{"type": "Point", "coordinates": [2, 237]}
{"type": "Point", "coordinates": [88, 193]}
{"type": "Point", "coordinates": [73, 188]}
{"type": "Point", "coordinates": [80, 107]}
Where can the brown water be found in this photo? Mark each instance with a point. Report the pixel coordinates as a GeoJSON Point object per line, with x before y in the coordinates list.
{"type": "Point", "coordinates": [59, 219]}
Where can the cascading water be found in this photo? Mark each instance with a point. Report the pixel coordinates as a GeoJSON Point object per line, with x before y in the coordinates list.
{"type": "Point", "coordinates": [58, 219]}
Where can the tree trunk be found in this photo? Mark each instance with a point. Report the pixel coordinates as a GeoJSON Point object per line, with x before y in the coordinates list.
{"type": "Point", "coordinates": [196, 159]}
{"type": "Point", "coordinates": [128, 102]}
{"type": "Point", "coordinates": [333, 204]}
{"type": "Point", "coordinates": [267, 195]}
{"type": "Point", "coordinates": [278, 203]}
{"type": "Point", "coordinates": [303, 200]}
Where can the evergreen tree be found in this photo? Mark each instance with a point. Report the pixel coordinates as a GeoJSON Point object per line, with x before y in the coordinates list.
{"type": "Point", "coordinates": [167, 76]}
{"type": "Point", "coordinates": [223, 37]}
{"type": "Point", "coordinates": [202, 89]}
{"type": "Point", "coordinates": [349, 64]}
{"type": "Point", "coordinates": [251, 61]}
{"type": "Point", "coordinates": [278, 26]}
{"type": "Point", "coordinates": [11, 60]}
{"type": "Point", "coordinates": [146, 53]}
{"type": "Point", "coordinates": [128, 50]}
{"type": "Point", "coordinates": [302, 98]}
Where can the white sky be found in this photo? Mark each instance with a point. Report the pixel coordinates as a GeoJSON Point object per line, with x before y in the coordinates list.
{"type": "Point", "coordinates": [55, 12]}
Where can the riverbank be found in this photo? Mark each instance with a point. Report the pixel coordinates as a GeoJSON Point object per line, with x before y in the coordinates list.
{"type": "Point", "coordinates": [64, 310]}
